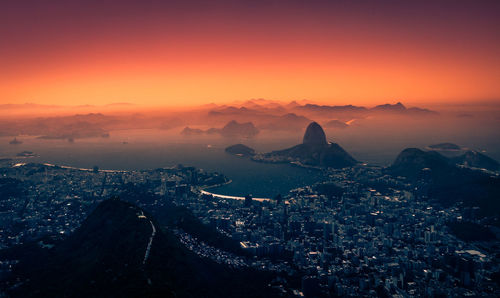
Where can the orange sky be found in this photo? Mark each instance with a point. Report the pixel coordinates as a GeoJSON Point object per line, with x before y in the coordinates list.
{"type": "Point", "coordinates": [92, 53]}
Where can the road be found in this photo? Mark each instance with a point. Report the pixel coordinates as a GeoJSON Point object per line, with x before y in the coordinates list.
{"type": "Point", "coordinates": [148, 248]}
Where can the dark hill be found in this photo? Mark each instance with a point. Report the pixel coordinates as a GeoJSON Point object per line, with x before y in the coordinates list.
{"type": "Point", "coordinates": [440, 180]}
{"type": "Point", "coordinates": [314, 135]}
{"type": "Point", "coordinates": [240, 149]}
{"type": "Point", "coordinates": [476, 160]}
{"type": "Point", "coordinates": [314, 151]}
{"type": "Point", "coordinates": [105, 258]}
{"type": "Point", "coordinates": [411, 161]}
{"type": "Point", "coordinates": [398, 107]}
{"type": "Point", "coordinates": [331, 155]}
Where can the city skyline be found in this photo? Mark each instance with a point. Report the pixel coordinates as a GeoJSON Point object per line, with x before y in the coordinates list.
{"type": "Point", "coordinates": [249, 148]}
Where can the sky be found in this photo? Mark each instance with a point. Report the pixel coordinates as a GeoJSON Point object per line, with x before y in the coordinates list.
{"type": "Point", "coordinates": [194, 52]}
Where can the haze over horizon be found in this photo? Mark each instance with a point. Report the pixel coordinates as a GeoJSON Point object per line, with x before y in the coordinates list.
{"type": "Point", "coordinates": [169, 53]}
{"type": "Point", "coordinates": [479, 104]}
{"type": "Point", "coordinates": [296, 148]}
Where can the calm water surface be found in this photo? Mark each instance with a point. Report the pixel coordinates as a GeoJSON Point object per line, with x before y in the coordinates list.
{"type": "Point", "coordinates": [150, 148]}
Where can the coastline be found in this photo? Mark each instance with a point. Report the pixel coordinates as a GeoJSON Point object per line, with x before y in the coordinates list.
{"type": "Point", "coordinates": [216, 185]}
{"type": "Point", "coordinates": [204, 192]}
{"type": "Point", "coordinates": [200, 189]}
{"type": "Point", "coordinates": [293, 163]}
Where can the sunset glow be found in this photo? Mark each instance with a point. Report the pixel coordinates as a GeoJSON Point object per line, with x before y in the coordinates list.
{"type": "Point", "coordinates": [295, 148]}
{"type": "Point", "coordinates": [184, 54]}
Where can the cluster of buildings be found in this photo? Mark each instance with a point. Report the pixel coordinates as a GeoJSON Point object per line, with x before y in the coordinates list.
{"type": "Point", "coordinates": [346, 238]}
{"type": "Point", "coordinates": [360, 233]}
{"type": "Point", "coordinates": [43, 199]}
{"type": "Point", "coordinates": [206, 251]}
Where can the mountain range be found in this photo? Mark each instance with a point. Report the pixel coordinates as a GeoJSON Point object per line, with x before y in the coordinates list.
{"type": "Point", "coordinates": [232, 129]}
{"type": "Point", "coordinates": [263, 114]}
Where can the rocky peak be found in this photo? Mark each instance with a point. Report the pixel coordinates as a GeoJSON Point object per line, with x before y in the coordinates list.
{"type": "Point", "coordinates": [314, 135]}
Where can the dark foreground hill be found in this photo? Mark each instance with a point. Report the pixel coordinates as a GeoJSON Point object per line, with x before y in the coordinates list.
{"type": "Point", "coordinates": [443, 181]}
{"type": "Point", "coordinates": [106, 257]}
{"type": "Point", "coordinates": [476, 160]}
{"type": "Point", "coordinates": [468, 158]}
{"type": "Point", "coordinates": [411, 161]}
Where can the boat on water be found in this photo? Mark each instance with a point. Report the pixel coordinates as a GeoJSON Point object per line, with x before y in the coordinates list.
{"type": "Point", "coordinates": [15, 141]}
{"type": "Point", "coordinates": [27, 154]}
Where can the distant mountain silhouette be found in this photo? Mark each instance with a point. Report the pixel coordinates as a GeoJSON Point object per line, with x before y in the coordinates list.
{"type": "Point", "coordinates": [115, 254]}
{"type": "Point", "coordinates": [292, 104]}
{"type": "Point", "coordinates": [360, 111]}
{"type": "Point", "coordinates": [335, 124]}
{"type": "Point", "coordinates": [476, 160]}
{"type": "Point", "coordinates": [264, 105]}
{"type": "Point", "coordinates": [80, 129]}
{"type": "Point", "coordinates": [399, 108]}
{"type": "Point", "coordinates": [187, 131]}
{"type": "Point", "coordinates": [329, 109]}
{"type": "Point", "coordinates": [276, 115]}
{"type": "Point", "coordinates": [445, 146]}
{"type": "Point", "coordinates": [265, 114]}
{"type": "Point", "coordinates": [240, 149]}
{"type": "Point", "coordinates": [412, 160]}
{"type": "Point", "coordinates": [230, 110]}
{"type": "Point", "coordinates": [252, 110]}
{"type": "Point", "coordinates": [314, 151]}
{"type": "Point", "coordinates": [85, 125]}
{"type": "Point", "coordinates": [290, 121]}
{"type": "Point", "coordinates": [233, 128]}
{"type": "Point", "coordinates": [420, 111]}
{"type": "Point", "coordinates": [469, 158]}
{"type": "Point", "coordinates": [442, 181]}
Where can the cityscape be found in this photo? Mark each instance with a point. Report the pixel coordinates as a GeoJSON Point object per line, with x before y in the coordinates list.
{"type": "Point", "coordinates": [343, 237]}
{"type": "Point", "coordinates": [249, 148]}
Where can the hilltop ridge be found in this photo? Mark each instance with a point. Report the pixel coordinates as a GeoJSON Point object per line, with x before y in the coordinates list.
{"type": "Point", "coordinates": [121, 251]}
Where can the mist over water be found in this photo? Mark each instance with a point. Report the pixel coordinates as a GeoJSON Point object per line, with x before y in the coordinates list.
{"type": "Point", "coordinates": [148, 149]}
{"type": "Point", "coordinates": [375, 141]}
{"type": "Point", "coordinates": [379, 140]}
